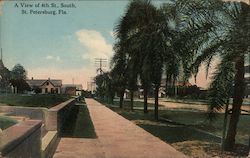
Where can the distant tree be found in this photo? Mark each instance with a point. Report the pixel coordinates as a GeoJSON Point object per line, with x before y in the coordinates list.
{"type": "Point", "coordinates": [18, 72]}
{"type": "Point", "coordinates": [37, 89]}
{"type": "Point", "coordinates": [105, 89]}
{"type": "Point", "coordinates": [18, 77]}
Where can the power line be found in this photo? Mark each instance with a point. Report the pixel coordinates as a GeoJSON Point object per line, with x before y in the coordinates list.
{"type": "Point", "coordinates": [100, 64]}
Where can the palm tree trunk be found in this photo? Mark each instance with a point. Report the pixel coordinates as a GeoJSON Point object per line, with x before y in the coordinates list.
{"type": "Point", "coordinates": [112, 99]}
{"type": "Point", "coordinates": [166, 87]}
{"type": "Point", "coordinates": [121, 98]}
{"type": "Point", "coordinates": [132, 100]}
{"type": "Point", "coordinates": [224, 125]}
{"type": "Point", "coordinates": [239, 89]}
{"type": "Point", "coordinates": [145, 93]}
{"type": "Point", "coordinates": [175, 87]}
{"type": "Point", "coordinates": [156, 101]}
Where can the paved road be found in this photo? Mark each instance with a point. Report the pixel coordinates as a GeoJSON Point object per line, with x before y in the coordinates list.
{"type": "Point", "coordinates": [117, 138]}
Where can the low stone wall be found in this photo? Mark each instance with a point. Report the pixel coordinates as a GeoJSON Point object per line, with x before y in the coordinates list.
{"type": "Point", "coordinates": [22, 140]}
{"type": "Point", "coordinates": [49, 144]}
{"type": "Point", "coordinates": [36, 113]}
{"type": "Point", "coordinates": [57, 115]}
{"type": "Point", "coordinates": [52, 118]}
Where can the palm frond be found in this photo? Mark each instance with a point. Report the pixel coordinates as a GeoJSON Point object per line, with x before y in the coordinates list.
{"type": "Point", "coordinates": [221, 87]}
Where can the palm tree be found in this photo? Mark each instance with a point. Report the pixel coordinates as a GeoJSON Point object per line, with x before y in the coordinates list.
{"type": "Point", "coordinates": [146, 82]}
{"type": "Point", "coordinates": [119, 67]}
{"type": "Point", "coordinates": [147, 38]}
{"type": "Point", "coordinates": [128, 30]}
{"type": "Point", "coordinates": [228, 40]}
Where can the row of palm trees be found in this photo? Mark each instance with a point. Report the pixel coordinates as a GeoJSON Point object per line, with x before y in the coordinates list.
{"type": "Point", "coordinates": [183, 35]}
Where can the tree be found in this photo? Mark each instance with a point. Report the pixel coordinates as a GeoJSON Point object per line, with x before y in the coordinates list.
{"type": "Point", "coordinates": [18, 72]}
{"type": "Point", "coordinates": [126, 31]}
{"type": "Point", "coordinates": [142, 28]}
{"type": "Point", "coordinates": [227, 39]}
{"type": "Point", "coordinates": [104, 89]}
{"type": "Point", "coordinates": [119, 67]}
{"type": "Point", "coordinates": [18, 77]}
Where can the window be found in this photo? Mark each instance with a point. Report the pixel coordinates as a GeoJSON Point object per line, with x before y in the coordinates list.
{"type": "Point", "coordinates": [47, 83]}
{"type": "Point", "coordinates": [46, 90]}
{"type": "Point", "coordinates": [52, 90]}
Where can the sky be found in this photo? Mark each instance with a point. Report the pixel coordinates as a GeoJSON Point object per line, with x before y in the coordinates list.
{"type": "Point", "coordinates": [62, 46]}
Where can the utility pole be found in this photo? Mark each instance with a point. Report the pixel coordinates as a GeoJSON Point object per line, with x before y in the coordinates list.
{"type": "Point", "coordinates": [100, 64]}
{"type": "Point", "coordinates": [91, 85]}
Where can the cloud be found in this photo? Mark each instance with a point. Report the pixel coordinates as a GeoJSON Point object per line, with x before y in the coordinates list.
{"type": "Point", "coordinates": [58, 58]}
{"type": "Point", "coordinates": [55, 58]}
{"type": "Point", "coordinates": [94, 44]}
{"type": "Point", "coordinates": [49, 57]}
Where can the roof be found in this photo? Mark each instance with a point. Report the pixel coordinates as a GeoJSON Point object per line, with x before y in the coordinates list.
{"type": "Point", "coordinates": [177, 83]}
{"type": "Point", "coordinates": [32, 83]}
{"type": "Point", "coordinates": [4, 72]}
{"type": "Point", "coordinates": [2, 67]}
{"type": "Point", "coordinates": [77, 86]}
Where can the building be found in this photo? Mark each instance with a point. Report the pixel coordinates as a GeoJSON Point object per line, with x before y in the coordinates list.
{"type": "Point", "coordinates": [91, 87]}
{"type": "Point", "coordinates": [72, 89]}
{"type": "Point", "coordinates": [45, 86]}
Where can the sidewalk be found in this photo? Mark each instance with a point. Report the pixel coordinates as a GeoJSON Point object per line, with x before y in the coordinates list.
{"type": "Point", "coordinates": [117, 138]}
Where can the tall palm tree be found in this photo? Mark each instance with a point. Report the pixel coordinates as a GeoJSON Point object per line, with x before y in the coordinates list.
{"type": "Point", "coordinates": [148, 45]}
{"type": "Point", "coordinates": [130, 30]}
{"type": "Point", "coordinates": [228, 40]}
{"type": "Point", "coordinates": [119, 67]}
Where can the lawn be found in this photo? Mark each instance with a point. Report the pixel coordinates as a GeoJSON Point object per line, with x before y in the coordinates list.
{"type": "Point", "coordinates": [199, 120]}
{"type": "Point", "coordinates": [192, 118]}
{"type": "Point", "coordinates": [185, 137]}
{"type": "Point", "coordinates": [34, 100]}
{"type": "Point", "coordinates": [168, 132]}
{"type": "Point", "coordinates": [6, 122]}
{"type": "Point", "coordinates": [137, 104]}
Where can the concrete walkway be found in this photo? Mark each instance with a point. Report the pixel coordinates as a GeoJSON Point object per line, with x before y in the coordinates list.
{"type": "Point", "coordinates": [117, 138]}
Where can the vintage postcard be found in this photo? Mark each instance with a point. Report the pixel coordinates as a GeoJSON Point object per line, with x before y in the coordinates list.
{"type": "Point", "coordinates": [124, 78]}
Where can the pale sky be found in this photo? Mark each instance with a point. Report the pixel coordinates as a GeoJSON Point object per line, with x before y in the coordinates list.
{"type": "Point", "coordinates": [61, 46]}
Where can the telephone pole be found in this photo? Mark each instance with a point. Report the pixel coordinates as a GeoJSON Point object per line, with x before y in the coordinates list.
{"type": "Point", "coordinates": [100, 64]}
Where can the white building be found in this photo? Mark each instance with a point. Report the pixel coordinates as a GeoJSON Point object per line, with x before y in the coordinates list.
{"type": "Point", "coordinates": [45, 86]}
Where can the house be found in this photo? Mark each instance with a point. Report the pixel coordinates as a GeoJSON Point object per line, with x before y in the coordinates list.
{"type": "Point", "coordinates": [72, 89]}
{"type": "Point", "coordinates": [45, 86]}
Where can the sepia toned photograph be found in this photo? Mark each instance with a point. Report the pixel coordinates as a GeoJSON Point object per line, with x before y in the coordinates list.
{"type": "Point", "coordinates": [125, 79]}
